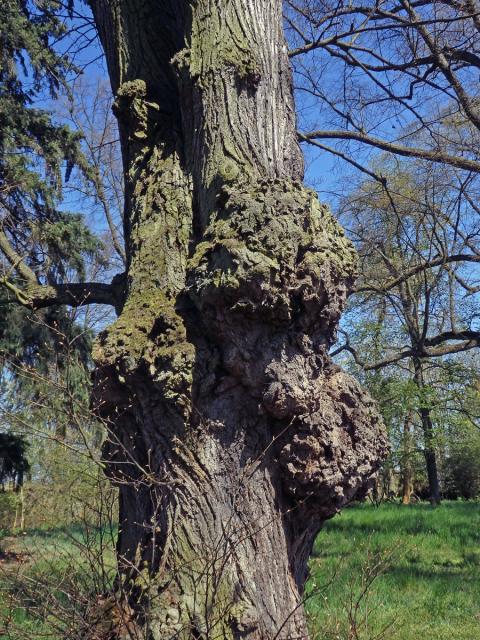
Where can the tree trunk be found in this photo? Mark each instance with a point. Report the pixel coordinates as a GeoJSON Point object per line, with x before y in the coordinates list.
{"type": "Point", "coordinates": [232, 435]}
{"type": "Point", "coordinates": [430, 457]}
{"type": "Point", "coordinates": [428, 438]}
{"type": "Point", "coordinates": [406, 460]}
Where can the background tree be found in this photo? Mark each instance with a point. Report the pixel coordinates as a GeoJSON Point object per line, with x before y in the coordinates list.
{"type": "Point", "coordinates": [13, 460]}
{"type": "Point", "coordinates": [41, 242]}
{"type": "Point", "coordinates": [413, 306]}
{"type": "Point", "coordinates": [88, 108]}
{"type": "Point", "coordinates": [388, 75]}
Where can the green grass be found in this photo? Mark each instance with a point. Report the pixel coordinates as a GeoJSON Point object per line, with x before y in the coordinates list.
{"type": "Point", "coordinates": [427, 586]}
{"type": "Point", "coordinates": [425, 565]}
{"type": "Point", "coordinates": [53, 564]}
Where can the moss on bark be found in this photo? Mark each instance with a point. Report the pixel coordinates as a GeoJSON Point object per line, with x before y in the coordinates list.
{"type": "Point", "coordinates": [268, 250]}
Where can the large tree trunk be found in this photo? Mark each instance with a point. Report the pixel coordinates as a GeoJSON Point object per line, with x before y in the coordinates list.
{"type": "Point", "coordinates": [232, 435]}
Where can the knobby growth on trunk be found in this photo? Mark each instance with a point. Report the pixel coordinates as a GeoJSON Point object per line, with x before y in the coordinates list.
{"type": "Point", "coordinates": [233, 436]}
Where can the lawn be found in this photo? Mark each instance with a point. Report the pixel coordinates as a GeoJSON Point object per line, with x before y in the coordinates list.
{"type": "Point", "coordinates": [51, 571]}
{"type": "Point", "coordinates": [406, 573]}
{"type": "Point", "coordinates": [422, 565]}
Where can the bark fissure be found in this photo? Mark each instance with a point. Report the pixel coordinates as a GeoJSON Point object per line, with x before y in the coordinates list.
{"type": "Point", "coordinates": [233, 436]}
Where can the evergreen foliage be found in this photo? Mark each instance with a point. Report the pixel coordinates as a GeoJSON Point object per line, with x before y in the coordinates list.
{"type": "Point", "coordinates": [34, 149]}
{"type": "Point", "coordinates": [13, 458]}
{"type": "Point", "coordinates": [37, 156]}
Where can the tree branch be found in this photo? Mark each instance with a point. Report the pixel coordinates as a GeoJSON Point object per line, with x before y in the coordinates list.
{"type": "Point", "coordinates": [441, 260]}
{"type": "Point", "coordinates": [354, 163]}
{"type": "Point", "coordinates": [401, 150]}
{"type": "Point", "coordinates": [468, 340]}
{"type": "Point", "coordinates": [76, 294]}
{"type": "Point", "coordinates": [446, 336]}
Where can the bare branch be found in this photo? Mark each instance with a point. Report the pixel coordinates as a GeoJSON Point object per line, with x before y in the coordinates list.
{"type": "Point", "coordinates": [441, 260]}
{"type": "Point", "coordinates": [401, 150]}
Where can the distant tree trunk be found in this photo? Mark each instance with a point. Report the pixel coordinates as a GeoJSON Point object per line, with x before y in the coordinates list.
{"type": "Point", "coordinates": [406, 460]}
{"type": "Point", "coordinates": [233, 436]}
{"type": "Point", "coordinates": [428, 438]}
{"type": "Point", "coordinates": [19, 520]}
{"type": "Point", "coordinates": [430, 457]}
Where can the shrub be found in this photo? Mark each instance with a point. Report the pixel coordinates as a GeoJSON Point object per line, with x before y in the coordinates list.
{"type": "Point", "coordinates": [8, 505]}
{"type": "Point", "coordinates": [462, 471]}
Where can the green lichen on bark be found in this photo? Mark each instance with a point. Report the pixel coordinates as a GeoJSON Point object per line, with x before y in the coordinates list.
{"type": "Point", "coordinates": [149, 336]}
{"type": "Point", "coordinates": [161, 226]}
{"type": "Point", "coordinates": [131, 104]}
{"type": "Point", "coordinates": [219, 64]}
{"type": "Point", "coordinates": [219, 43]}
{"type": "Point", "coordinates": [271, 243]}
{"type": "Point", "coordinates": [221, 57]}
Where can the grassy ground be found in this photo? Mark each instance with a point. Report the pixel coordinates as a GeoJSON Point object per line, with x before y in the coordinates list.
{"type": "Point", "coordinates": [411, 571]}
{"type": "Point", "coordinates": [50, 572]}
{"type": "Point", "coordinates": [418, 569]}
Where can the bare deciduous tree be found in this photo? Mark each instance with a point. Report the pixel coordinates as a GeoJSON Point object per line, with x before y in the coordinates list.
{"type": "Point", "coordinates": [388, 75]}
{"type": "Point", "coordinates": [419, 245]}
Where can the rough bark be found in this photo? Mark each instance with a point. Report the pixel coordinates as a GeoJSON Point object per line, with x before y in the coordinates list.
{"type": "Point", "coordinates": [233, 437]}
